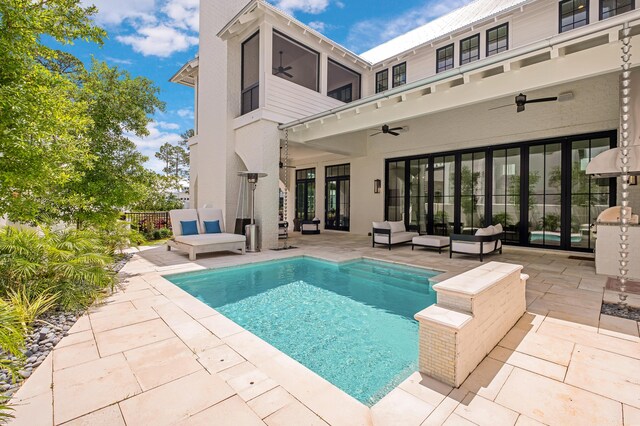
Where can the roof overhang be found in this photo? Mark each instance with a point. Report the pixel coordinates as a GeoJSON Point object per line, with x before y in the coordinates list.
{"type": "Point", "coordinates": [187, 74]}
{"type": "Point", "coordinates": [512, 63]}
{"type": "Point", "coordinates": [257, 9]}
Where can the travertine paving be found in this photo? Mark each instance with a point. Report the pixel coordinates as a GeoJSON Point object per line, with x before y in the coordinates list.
{"type": "Point", "coordinates": [153, 355]}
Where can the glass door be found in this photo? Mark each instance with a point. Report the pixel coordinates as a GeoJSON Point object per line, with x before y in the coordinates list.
{"type": "Point", "coordinates": [306, 194]}
{"type": "Point", "coordinates": [337, 197]}
{"type": "Point", "coordinates": [419, 194]}
{"type": "Point", "coordinates": [444, 190]}
{"type": "Point", "coordinates": [545, 194]}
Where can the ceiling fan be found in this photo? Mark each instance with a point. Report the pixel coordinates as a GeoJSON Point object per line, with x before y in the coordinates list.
{"type": "Point", "coordinates": [281, 69]}
{"type": "Point", "coordinates": [521, 100]}
{"type": "Point", "coordinates": [282, 166]}
{"type": "Point", "coordinates": [388, 130]}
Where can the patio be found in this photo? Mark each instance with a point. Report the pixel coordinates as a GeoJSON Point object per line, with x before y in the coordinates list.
{"type": "Point", "coordinates": [152, 354]}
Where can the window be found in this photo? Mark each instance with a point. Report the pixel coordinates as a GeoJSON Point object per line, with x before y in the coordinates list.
{"type": "Point", "coordinates": [343, 84]}
{"type": "Point", "coordinates": [609, 8]}
{"type": "Point", "coordinates": [382, 81]}
{"type": "Point", "coordinates": [470, 49]}
{"type": "Point", "coordinates": [444, 58]}
{"type": "Point", "coordinates": [250, 74]}
{"type": "Point", "coordinates": [497, 39]}
{"type": "Point", "coordinates": [400, 74]}
{"type": "Point", "coordinates": [573, 14]}
{"type": "Point", "coordinates": [295, 62]}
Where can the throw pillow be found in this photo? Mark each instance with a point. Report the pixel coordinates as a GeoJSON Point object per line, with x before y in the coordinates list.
{"type": "Point", "coordinates": [212, 227]}
{"type": "Point", "coordinates": [189, 227]}
{"type": "Point", "coordinates": [397, 226]}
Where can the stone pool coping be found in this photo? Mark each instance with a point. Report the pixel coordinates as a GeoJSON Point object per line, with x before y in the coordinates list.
{"type": "Point", "coordinates": [550, 365]}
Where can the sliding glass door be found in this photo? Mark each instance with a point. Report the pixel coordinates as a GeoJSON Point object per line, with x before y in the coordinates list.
{"type": "Point", "coordinates": [306, 194]}
{"type": "Point", "coordinates": [537, 190]}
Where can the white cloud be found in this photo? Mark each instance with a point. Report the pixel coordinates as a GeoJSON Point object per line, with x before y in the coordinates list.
{"type": "Point", "coordinates": [369, 33]}
{"type": "Point", "coordinates": [151, 27]}
{"type": "Point", "coordinates": [115, 12]}
{"type": "Point", "coordinates": [167, 126]}
{"type": "Point", "coordinates": [119, 61]}
{"type": "Point", "coordinates": [184, 13]}
{"type": "Point", "coordinates": [150, 144]}
{"type": "Point", "coordinates": [161, 40]}
{"type": "Point", "coordinates": [305, 6]}
{"type": "Point", "coordinates": [318, 26]}
{"type": "Point", "coordinates": [185, 113]}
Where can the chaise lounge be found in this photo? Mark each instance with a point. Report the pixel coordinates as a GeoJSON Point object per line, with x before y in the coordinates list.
{"type": "Point", "coordinates": [202, 231]}
{"type": "Point", "coordinates": [485, 241]}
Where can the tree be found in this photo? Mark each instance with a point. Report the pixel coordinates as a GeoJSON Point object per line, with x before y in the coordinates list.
{"type": "Point", "coordinates": [157, 195]}
{"type": "Point", "coordinates": [118, 105]}
{"type": "Point", "coordinates": [42, 121]}
{"type": "Point", "coordinates": [176, 162]}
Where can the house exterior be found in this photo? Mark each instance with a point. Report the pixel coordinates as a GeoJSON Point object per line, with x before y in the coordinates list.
{"type": "Point", "coordinates": [463, 155]}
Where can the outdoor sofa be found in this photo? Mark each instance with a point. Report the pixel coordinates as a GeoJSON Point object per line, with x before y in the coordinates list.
{"type": "Point", "coordinates": [193, 238]}
{"type": "Point", "coordinates": [391, 233]}
{"type": "Point", "coordinates": [485, 241]}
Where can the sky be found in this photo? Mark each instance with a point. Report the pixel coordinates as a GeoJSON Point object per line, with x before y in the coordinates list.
{"type": "Point", "coordinates": [154, 38]}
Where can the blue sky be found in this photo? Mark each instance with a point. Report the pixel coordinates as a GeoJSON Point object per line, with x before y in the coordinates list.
{"type": "Point", "coordinates": [154, 38]}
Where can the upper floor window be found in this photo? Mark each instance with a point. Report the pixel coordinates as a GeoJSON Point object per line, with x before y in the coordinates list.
{"type": "Point", "coordinates": [382, 81]}
{"type": "Point", "coordinates": [470, 49]}
{"type": "Point", "coordinates": [497, 39]}
{"type": "Point", "coordinates": [444, 58]}
{"type": "Point", "coordinates": [250, 74]}
{"type": "Point", "coordinates": [400, 74]}
{"type": "Point", "coordinates": [343, 83]}
{"type": "Point", "coordinates": [295, 62]}
{"type": "Point", "coordinates": [573, 14]}
{"type": "Point", "coordinates": [609, 8]}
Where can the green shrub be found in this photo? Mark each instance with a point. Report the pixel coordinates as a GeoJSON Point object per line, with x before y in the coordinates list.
{"type": "Point", "coordinates": [156, 234]}
{"type": "Point", "coordinates": [165, 233]}
{"type": "Point", "coordinates": [29, 304]}
{"type": "Point", "coordinates": [70, 263]}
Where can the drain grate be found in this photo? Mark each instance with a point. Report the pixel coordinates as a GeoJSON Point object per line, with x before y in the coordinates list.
{"type": "Point", "coordinates": [591, 259]}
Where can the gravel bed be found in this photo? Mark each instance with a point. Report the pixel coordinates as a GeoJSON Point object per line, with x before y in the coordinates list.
{"type": "Point", "coordinates": [50, 329]}
{"type": "Point", "coordinates": [615, 310]}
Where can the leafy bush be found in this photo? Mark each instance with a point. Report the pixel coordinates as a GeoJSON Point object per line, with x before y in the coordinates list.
{"type": "Point", "coordinates": [29, 305]}
{"type": "Point", "coordinates": [70, 263]}
{"type": "Point", "coordinates": [119, 236]}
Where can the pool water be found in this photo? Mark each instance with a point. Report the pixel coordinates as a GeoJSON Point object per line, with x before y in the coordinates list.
{"type": "Point", "coordinates": [351, 323]}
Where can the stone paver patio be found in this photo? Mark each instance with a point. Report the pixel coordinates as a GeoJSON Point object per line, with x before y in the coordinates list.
{"type": "Point", "coordinates": [154, 355]}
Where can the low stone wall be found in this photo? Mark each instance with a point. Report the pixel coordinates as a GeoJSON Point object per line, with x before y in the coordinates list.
{"type": "Point", "coordinates": [475, 310]}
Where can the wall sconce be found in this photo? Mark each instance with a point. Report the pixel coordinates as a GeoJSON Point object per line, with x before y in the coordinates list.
{"type": "Point", "coordinates": [633, 180]}
{"type": "Point", "coordinates": [377, 184]}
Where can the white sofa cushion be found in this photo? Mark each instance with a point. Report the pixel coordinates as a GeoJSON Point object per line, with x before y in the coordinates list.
{"type": "Point", "coordinates": [209, 214]}
{"type": "Point", "coordinates": [397, 227]}
{"type": "Point", "coordinates": [474, 248]}
{"type": "Point", "coordinates": [206, 239]}
{"type": "Point", "coordinates": [498, 228]}
{"type": "Point", "coordinates": [182, 215]}
{"type": "Point", "coordinates": [381, 225]}
{"type": "Point", "coordinates": [489, 230]}
{"type": "Point", "coordinates": [397, 237]}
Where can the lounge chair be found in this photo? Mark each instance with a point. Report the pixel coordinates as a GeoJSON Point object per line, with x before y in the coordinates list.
{"type": "Point", "coordinates": [485, 241]}
{"type": "Point", "coordinates": [390, 233]}
{"type": "Point", "coordinates": [202, 242]}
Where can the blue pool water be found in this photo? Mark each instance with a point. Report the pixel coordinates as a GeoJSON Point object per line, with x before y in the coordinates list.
{"type": "Point", "coordinates": [351, 323]}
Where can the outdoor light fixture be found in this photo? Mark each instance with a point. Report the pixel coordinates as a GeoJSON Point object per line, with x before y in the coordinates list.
{"type": "Point", "coordinates": [377, 184]}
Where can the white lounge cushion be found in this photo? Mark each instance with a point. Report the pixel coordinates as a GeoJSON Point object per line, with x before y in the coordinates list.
{"type": "Point", "coordinates": [431, 241]}
{"type": "Point", "coordinates": [209, 215]}
{"type": "Point", "coordinates": [381, 225]}
{"type": "Point", "coordinates": [397, 237]}
{"type": "Point", "coordinates": [206, 239]}
{"type": "Point", "coordinates": [182, 215]}
{"type": "Point", "coordinates": [489, 230]}
{"type": "Point", "coordinates": [397, 226]}
{"type": "Point", "coordinates": [498, 228]}
{"type": "Point", "coordinates": [474, 248]}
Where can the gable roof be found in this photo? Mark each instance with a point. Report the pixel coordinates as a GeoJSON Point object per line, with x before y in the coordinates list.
{"type": "Point", "coordinates": [476, 11]}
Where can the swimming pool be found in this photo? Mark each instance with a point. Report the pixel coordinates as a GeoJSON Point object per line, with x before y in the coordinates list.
{"type": "Point", "coordinates": [351, 323]}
